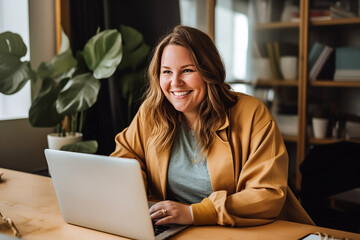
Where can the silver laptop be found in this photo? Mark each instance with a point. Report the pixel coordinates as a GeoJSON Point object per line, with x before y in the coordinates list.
{"type": "Point", "coordinates": [103, 193]}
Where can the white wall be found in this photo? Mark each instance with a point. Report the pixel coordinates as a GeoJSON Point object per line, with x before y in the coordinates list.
{"type": "Point", "coordinates": [21, 145]}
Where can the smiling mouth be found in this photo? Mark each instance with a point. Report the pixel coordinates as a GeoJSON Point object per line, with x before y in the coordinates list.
{"type": "Point", "coordinates": [181, 93]}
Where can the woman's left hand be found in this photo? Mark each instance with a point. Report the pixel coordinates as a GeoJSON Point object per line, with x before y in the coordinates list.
{"type": "Point", "coordinates": [166, 212]}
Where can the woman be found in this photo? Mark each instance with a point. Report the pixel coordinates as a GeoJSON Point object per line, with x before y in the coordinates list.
{"type": "Point", "coordinates": [208, 155]}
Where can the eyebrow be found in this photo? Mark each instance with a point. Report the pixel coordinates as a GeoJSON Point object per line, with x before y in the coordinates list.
{"type": "Point", "coordinates": [184, 66]}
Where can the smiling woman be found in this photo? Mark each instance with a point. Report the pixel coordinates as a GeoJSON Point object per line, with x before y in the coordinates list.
{"type": "Point", "coordinates": [209, 155]}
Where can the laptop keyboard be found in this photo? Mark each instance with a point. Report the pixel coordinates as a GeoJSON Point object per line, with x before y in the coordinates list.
{"type": "Point", "coordinates": [159, 228]}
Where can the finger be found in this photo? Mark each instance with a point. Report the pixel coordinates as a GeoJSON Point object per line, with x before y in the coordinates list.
{"type": "Point", "coordinates": [156, 207]}
{"type": "Point", "coordinates": [165, 220]}
{"type": "Point", "coordinates": [158, 214]}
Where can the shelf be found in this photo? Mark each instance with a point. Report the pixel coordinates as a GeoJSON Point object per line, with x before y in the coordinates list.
{"type": "Point", "coordinates": [320, 141]}
{"type": "Point", "coordinates": [332, 83]}
{"type": "Point", "coordinates": [274, 25]}
{"type": "Point", "coordinates": [290, 138]}
{"type": "Point", "coordinates": [270, 83]}
{"type": "Point", "coordinates": [340, 21]}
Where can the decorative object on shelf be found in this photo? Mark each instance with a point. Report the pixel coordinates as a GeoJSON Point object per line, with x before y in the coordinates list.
{"type": "Point", "coordinates": [352, 127]}
{"type": "Point", "coordinates": [291, 10]}
{"type": "Point", "coordinates": [320, 121]}
{"type": "Point", "coordinates": [268, 10]}
{"type": "Point", "coordinates": [289, 67]}
{"type": "Point", "coordinates": [319, 127]}
{"type": "Point", "coordinates": [342, 9]}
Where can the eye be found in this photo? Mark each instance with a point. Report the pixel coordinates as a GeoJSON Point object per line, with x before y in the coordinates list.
{"type": "Point", "coordinates": [166, 72]}
{"type": "Point", "coordinates": [188, 70]}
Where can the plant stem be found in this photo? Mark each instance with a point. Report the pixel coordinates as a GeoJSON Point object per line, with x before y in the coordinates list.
{"type": "Point", "coordinates": [82, 120]}
{"type": "Point", "coordinates": [73, 123]}
{"type": "Point", "coordinates": [58, 129]}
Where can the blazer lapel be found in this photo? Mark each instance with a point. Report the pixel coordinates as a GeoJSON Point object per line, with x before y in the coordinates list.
{"type": "Point", "coordinates": [220, 162]}
{"type": "Point", "coordinates": [163, 162]}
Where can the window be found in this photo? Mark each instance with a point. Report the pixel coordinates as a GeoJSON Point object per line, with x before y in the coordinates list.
{"type": "Point", "coordinates": [231, 34]}
{"type": "Point", "coordinates": [231, 37]}
{"type": "Point", "coordinates": [193, 14]}
{"type": "Point", "coordinates": [14, 17]}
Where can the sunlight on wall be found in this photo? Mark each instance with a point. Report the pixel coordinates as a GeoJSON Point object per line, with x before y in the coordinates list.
{"type": "Point", "coordinates": [14, 17]}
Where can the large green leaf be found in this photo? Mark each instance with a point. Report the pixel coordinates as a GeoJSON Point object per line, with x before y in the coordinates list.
{"type": "Point", "coordinates": [136, 51]}
{"type": "Point", "coordinates": [13, 72]}
{"type": "Point", "coordinates": [63, 62]}
{"type": "Point", "coordinates": [79, 94]}
{"type": "Point", "coordinates": [103, 53]}
{"type": "Point", "coordinates": [43, 112]}
{"type": "Point", "coordinates": [90, 146]}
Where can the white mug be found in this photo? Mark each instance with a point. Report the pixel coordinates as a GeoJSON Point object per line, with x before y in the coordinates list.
{"type": "Point", "coordinates": [320, 127]}
{"type": "Point", "coordinates": [288, 67]}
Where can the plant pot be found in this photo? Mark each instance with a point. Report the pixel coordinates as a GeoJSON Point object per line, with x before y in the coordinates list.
{"type": "Point", "coordinates": [56, 142]}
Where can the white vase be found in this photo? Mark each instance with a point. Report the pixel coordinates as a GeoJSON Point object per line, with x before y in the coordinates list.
{"type": "Point", "coordinates": [56, 142]}
{"type": "Point", "coordinates": [320, 127]}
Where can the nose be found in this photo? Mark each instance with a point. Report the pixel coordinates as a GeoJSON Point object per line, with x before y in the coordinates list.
{"type": "Point", "coordinates": [176, 80]}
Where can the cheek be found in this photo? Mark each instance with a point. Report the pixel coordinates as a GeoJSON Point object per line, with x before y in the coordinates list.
{"type": "Point", "coordinates": [163, 84]}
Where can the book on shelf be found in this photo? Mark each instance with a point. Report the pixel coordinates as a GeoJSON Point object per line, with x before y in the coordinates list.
{"type": "Point", "coordinates": [347, 64]}
{"type": "Point", "coordinates": [347, 75]}
{"type": "Point", "coordinates": [315, 53]}
{"type": "Point", "coordinates": [320, 14]}
{"type": "Point", "coordinates": [319, 62]}
{"type": "Point", "coordinates": [314, 15]}
{"type": "Point", "coordinates": [258, 50]}
{"type": "Point", "coordinates": [274, 57]}
{"type": "Point", "coordinates": [340, 12]}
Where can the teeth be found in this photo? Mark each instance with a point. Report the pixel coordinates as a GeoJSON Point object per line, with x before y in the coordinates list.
{"type": "Point", "coordinates": [180, 93]}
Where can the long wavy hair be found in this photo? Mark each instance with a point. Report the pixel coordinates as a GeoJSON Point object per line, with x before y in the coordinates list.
{"type": "Point", "coordinates": [162, 116]}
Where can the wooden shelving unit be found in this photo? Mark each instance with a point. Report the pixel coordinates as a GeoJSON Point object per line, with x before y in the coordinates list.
{"type": "Point", "coordinates": [332, 83]}
{"type": "Point", "coordinates": [276, 25]}
{"type": "Point", "coordinates": [340, 21]}
{"type": "Point", "coordinates": [303, 31]}
{"type": "Point", "coordinates": [270, 83]}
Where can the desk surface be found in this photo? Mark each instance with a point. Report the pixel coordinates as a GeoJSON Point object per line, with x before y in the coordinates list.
{"type": "Point", "coordinates": [30, 201]}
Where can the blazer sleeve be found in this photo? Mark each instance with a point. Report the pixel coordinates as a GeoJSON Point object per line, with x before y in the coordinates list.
{"type": "Point", "coordinates": [261, 187]}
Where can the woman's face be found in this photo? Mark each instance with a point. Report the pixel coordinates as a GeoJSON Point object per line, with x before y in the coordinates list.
{"type": "Point", "coordinates": [180, 81]}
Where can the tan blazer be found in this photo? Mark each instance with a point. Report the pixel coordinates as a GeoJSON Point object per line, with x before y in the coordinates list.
{"type": "Point", "coordinates": [247, 163]}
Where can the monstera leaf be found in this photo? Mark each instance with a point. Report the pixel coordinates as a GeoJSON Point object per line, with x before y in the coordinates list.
{"type": "Point", "coordinates": [132, 66]}
{"type": "Point", "coordinates": [72, 85]}
{"type": "Point", "coordinates": [79, 94]}
{"type": "Point", "coordinates": [14, 73]}
{"type": "Point", "coordinates": [103, 53]}
{"type": "Point", "coordinates": [43, 111]}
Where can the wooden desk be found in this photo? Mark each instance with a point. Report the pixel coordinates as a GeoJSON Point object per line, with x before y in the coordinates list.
{"type": "Point", "coordinates": [30, 201]}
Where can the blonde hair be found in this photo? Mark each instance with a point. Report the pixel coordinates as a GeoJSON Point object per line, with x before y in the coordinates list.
{"type": "Point", "coordinates": [162, 116]}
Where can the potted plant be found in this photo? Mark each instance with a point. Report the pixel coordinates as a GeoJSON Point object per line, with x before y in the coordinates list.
{"type": "Point", "coordinates": [69, 86]}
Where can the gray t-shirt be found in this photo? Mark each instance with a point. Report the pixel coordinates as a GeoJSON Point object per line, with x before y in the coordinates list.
{"type": "Point", "coordinates": [188, 177]}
